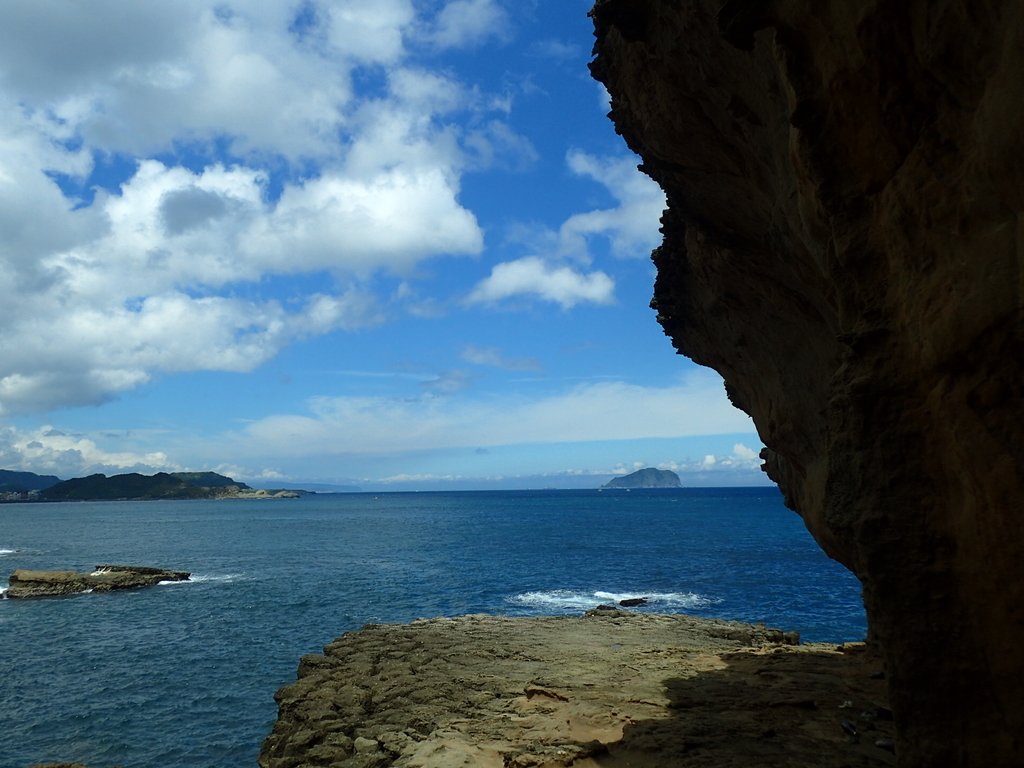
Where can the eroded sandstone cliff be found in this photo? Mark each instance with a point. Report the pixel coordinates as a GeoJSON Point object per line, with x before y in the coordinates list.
{"type": "Point", "coordinates": [844, 243]}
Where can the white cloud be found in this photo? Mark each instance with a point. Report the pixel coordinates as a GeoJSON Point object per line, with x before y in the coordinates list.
{"type": "Point", "coordinates": [93, 354]}
{"type": "Point", "coordinates": [49, 451]}
{"type": "Point", "coordinates": [497, 145]}
{"type": "Point", "coordinates": [532, 276]}
{"type": "Point", "coordinates": [391, 221]}
{"type": "Point", "coordinates": [124, 282]}
{"type": "Point", "coordinates": [369, 32]}
{"type": "Point", "coordinates": [134, 77]}
{"type": "Point", "coordinates": [741, 460]}
{"type": "Point", "coordinates": [493, 357]}
{"type": "Point", "coordinates": [743, 453]}
{"type": "Point", "coordinates": [742, 466]}
{"type": "Point", "coordinates": [448, 382]}
{"type": "Point", "coordinates": [464, 23]}
{"type": "Point", "coordinates": [557, 50]}
{"type": "Point", "coordinates": [632, 226]}
{"type": "Point", "coordinates": [611, 410]}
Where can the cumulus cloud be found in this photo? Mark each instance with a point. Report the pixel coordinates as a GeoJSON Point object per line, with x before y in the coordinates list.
{"type": "Point", "coordinates": [632, 226]}
{"type": "Point", "coordinates": [391, 221]}
{"type": "Point", "coordinates": [554, 270]}
{"type": "Point", "coordinates": [49, 451]}
{"type": "Point", "coordinates": [532, 276]}
{"type": "Point", "coordinates": [741, 460]}
{"type": "Point", "coordinates": [464, 23]}
{"type": "Point", "coordinates": [163, 265]}
{"type": "Point", "coordinates": [135, 77]}
{"type": "Point", "coordinates": [743, 453]}
{"type": "Point", "coordinates": [370, 32]}
{"type": "Point", "coordinates": [143, 275]}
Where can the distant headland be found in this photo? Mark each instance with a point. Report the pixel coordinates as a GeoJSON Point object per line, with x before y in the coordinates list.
{"type": "Point", "coordinates": [646, 478]}
{"type": "Point", "coordinates": [27, 486]}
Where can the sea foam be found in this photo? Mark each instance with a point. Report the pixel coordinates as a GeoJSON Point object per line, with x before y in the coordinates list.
{"type": "Point", "coordinates": [563, 600]}
{"type": "Point", "coordinates": [199, 578]}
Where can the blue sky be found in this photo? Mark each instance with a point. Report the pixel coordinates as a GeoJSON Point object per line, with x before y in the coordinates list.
{"type": "Point", "coordinates": [392, 244]}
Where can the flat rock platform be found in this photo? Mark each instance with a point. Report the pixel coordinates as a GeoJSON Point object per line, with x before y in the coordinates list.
{"type": "Point", "coordinates": [612, 688]}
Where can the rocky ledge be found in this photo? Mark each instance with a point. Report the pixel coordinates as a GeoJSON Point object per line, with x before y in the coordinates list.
{"type": "Point", "coordinates": [28, 584]}
{"type": "Point", "coordinates": [612, 688]}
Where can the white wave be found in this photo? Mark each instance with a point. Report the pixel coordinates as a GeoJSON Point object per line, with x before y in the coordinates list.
{"type": "Point", "coordinates": [7, 552]}
{"type": "Point", "coordinates": [3, 592]}
{"type": "Point", "coordinates": [570, 600]}
{"type": "Point", "coordinates": [200, 578]}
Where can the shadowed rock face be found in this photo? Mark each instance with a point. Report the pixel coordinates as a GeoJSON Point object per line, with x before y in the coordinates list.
{"type": "Point", "coordinates": [844, 243]}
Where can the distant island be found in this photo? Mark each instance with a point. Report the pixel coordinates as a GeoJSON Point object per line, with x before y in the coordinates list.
{"type": "Point", "coordinates": [646, 478]}
{"type": "Point", "coordinates": [27, 486]}
{"type": "Point", "coordinates": [24, 482]}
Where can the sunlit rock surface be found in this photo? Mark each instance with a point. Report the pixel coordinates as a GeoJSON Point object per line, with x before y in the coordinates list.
{"type": "Point", "coordinates": [843, 243]}
{"type": "Point", "coordinates": [612, 688]}
{"type": "Point", "coordinates": [26, 584]}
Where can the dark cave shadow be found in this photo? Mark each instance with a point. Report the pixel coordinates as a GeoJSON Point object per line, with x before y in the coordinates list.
{"type": "Point", "coordinates": [780, 708]}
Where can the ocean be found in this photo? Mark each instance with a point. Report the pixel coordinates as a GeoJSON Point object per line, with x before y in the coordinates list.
{"type": "Point", "coordinates": [183, 675]}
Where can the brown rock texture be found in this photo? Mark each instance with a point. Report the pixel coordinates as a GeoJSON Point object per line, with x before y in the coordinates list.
{"type": "Point", "coordinates": [610, 689]}
{"type": "Point", "coordinates": [26, 584]}
{"type": "Point", "coordinates": [844, 243]}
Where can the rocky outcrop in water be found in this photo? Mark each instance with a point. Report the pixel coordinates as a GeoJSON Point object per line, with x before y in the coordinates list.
{"type": "Point", "coordinates": [645, 478]}
{"type": "Point", "coordinates": [106, 578]}
{"type": "Point", "coordinates": [844, 243]}
{"type": "Point", "coordinates": [611, 688]}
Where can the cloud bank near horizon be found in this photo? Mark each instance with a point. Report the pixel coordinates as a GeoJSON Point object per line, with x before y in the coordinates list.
{"type": "Point", "coordinates": [341, 437]}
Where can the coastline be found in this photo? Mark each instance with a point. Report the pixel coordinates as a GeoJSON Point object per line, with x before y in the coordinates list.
{"type": "Point", "coordinates": [611, 688]}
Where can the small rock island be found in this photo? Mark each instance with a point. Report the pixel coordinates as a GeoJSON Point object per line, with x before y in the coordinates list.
{"type": "Point", "coordinates": [26, 584]}
{"type": "Point", "coordinates": [646, 478]}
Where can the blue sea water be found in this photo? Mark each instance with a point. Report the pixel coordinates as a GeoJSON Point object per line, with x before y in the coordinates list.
{"type": "Point", "coordinates": [183, 675]}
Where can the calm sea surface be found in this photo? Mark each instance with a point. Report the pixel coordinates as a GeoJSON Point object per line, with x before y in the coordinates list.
{"type": "Point", "coordinates": [183, 675]}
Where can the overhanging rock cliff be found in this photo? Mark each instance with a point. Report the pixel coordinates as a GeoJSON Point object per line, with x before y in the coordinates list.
{"type": "Point", "coordinates": [844, 243]}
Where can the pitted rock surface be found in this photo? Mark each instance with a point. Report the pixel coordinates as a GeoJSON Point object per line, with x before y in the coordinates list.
{"type": "Point", "coordinates": [613, 688]}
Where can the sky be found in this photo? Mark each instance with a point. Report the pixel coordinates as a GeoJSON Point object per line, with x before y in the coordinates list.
{"type": "Point", "coordinates": [392, 244]}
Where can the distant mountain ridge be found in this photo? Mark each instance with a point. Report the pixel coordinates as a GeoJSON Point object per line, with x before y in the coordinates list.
{"type": "Point", "coordinates": [646, 478]}
{"type": "Point", "coordinates": [21, 482]}
{"type": "Point", "coordinates": [162, 485]}
{"type": "Point", "coordinates": [28, 486]}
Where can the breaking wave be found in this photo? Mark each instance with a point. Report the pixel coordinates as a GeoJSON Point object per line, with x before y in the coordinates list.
{"type": "Point", "coordinates": [200, 578]}
{"type": "Point", "coordinates": [566, 600]}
